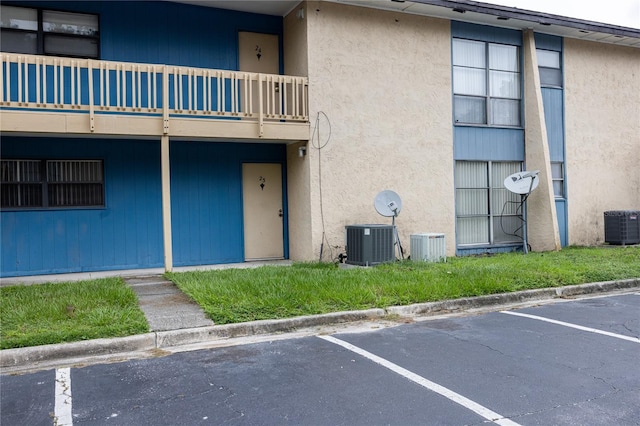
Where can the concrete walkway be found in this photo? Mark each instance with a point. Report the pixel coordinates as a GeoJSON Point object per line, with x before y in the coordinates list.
{"type": "Point", "coordinates": [165, 305]}
{"type": "Point", "coordinates": [81, 276]}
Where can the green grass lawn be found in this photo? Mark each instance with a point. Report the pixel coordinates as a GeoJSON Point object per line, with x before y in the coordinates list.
{"type": "Point", "coordinates": [64, 312]}
{"type": "Point", "coordinates": [238, 295]}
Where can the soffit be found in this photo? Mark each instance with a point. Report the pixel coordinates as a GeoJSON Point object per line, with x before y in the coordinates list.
{"type": "Point", "coordinates": [264, 7]}
{"type": "Point", "coordinates": [460, 10]}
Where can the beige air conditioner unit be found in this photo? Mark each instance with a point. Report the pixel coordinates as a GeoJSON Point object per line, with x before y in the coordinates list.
{"type": "Point", "coordinates": [428, 247]}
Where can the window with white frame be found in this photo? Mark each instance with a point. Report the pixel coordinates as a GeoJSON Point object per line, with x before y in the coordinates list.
{"type": "Point", "coordinates": [48, 32]}
{"type": "Point", "coordinates": [486, 212]}
{"type": "Point", "coordinates": [36, 184]}
{"type": "Point", "coordinates": [486, 83]}
{"type": "Point", "coordinates": [549, 68]}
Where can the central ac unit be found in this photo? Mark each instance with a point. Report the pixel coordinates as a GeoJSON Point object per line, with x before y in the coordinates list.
{"type": "Point", "coordinates": [428, 247]}
{"type": "Point", "coordinates": [622, 227]}
{"type": "Point", "coordinates": [369, 245]}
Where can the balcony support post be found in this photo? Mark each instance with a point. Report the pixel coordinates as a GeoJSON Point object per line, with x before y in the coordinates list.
{"type": "Point", "coordinates": [165, 100]}
{"type": "Point", "coordinates": [260, 107]}
{"type": "Point", "coordinates": [92, 121]}
{"type": "Point", "coordinates": [166, 203]}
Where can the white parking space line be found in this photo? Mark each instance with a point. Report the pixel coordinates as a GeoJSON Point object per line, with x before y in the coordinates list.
{"type": "Point", "coordinates": [576, 326]}
{"type": "Point", "coordinates": [62, 408]}
{"type": "Point", "coordinates": [447, 393]}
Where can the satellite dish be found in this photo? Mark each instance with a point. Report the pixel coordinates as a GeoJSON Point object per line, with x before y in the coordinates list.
{"type": "Point", "coordinates": [388, 203]}
{"type": "Point", "coordinates": [522, 182]}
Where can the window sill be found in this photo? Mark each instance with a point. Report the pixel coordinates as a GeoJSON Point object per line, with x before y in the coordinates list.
{"type": "Point", "coordinates": [487, 126]}
{"type": "Point", "coordinates": [49, 209]}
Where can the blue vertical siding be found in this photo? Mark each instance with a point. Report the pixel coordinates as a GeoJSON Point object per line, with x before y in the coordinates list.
{"type": "Point", "coordinates": [561, 212]}
{"type": "Point", "coordinates": [156, 32]}
{"type": "Point", "coordinates": [126, 233]}
{"type": "Point", "coordinates": [553, 101]}
{"type": "Point", "coordinates": [206, 177]}
{"type": "Point", "coordinates": [206, 198]}
{"type": "Point", "coordinates": [488, 143]}
{"type": "Point", "coordinates": [162, 32]}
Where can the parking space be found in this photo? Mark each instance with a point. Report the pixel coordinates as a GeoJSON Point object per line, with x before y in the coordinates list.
{"type": "Point", "coordinates": [457, 371]}
{"type": "Point", "coordinates": [28, 399]}
{"type": "Point", "coordinates": [530, 371]}
{"type": "Point", "coordinates": [614, 314]}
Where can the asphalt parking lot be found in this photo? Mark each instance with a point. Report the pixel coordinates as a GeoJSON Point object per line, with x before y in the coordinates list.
{"type": "Point", "coordinates": [564, 363]}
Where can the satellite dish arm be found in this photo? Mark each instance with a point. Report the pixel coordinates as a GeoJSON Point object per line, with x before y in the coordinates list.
{"type": "Point", "coordinates": [532, 174]}
{"type": "Point", "coordinates": [533, 177]}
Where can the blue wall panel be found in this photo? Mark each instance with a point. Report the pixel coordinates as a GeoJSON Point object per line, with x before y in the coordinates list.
{"type": "Point", "coordinates": [486, 33]}
{"type": "Point", "coordinates": [548, 42]}
{"type": "Point", "coordinates": [155, 32]}
{"type": "Point", "coordinates": [168, 33]}
{"type": "Point", "coordinates": [487, 250]}
{"type": "Point", "coordinates": [206, 198]}
{"type": "Point", "coordinates": [127, 233]}
{"type": "Point", "coordinates": [553, 101]}
{"type": "Point", "coordinates": [561, 212]}
{"type": "Point", "coordinates": [487, 143]}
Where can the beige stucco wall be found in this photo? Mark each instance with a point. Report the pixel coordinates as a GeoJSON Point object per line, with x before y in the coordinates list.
{"type": "Point", "coordinates": [298, 169]}
{"type": "Point", "coordinates": [602, 95]}
{"type": "Point", "coordinates": [383, 79]}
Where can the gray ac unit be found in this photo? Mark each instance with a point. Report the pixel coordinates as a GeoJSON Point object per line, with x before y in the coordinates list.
{"type": "Point", "coordinates": [369, 245]}
{"type": "Point", "coordinates": [622, 227]}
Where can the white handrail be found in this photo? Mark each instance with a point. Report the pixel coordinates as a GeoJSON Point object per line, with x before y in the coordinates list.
{"type": "Point", "coordinates": [30, 81]}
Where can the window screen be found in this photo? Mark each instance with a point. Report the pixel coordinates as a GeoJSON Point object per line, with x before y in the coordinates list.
{"type": "Point", "coordinates": [21, 183]}
{"type": "Point", "coordinates": [486, 212]}
{"type": "Point", "coordinates": [549, 67]}
{"type": "Point", "coordinates": [27, 184]}
{"type": "Point", "coordinates": [74, 183]}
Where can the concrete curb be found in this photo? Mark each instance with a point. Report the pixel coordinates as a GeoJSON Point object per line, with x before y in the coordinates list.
{"type": "Point", "coordinates": [32, 356]}
{"type": "Point", "coordinates": [601, 287]}
{"type": "Point", "coordinates": [454, 305]}
{"type": "Point", "coordinates": [202, 334]}
{"type": "Point", "coordinates": [37, 354]}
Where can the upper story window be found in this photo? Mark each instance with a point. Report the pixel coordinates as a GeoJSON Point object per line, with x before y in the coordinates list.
{"type": "Point", "coordinates": [549, 67]}
{"type": "Point", "coordinates": [42, 184]}
{"type": "Point", "coordinates": [486, 83]}
{"type": "Point", "coordinates": [48, 32]}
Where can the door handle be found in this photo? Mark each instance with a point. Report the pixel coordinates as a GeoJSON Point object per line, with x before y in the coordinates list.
{"type": "Point", "coordinates": [280, 213]}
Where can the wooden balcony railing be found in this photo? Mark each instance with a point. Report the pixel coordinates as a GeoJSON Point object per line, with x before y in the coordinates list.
{"type": "Point", "coordinates": [32, 83]}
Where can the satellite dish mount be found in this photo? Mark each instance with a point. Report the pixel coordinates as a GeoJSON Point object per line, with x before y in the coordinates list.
{"type": "Point", "coordinates": [389, 204]}
{"type": "Point", "coordinates": [523, 183]}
